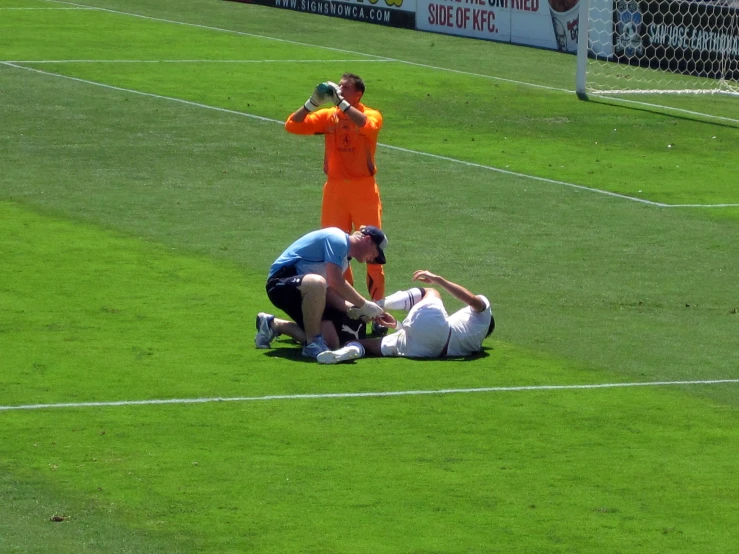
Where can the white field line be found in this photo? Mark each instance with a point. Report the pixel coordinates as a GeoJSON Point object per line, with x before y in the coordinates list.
{"type": "Point", "coordinates": [535, 178]}
{"type": "Point", "coordinates": [398, 148]}
{"type": "Point", "coordinates": [72, 8]}
{"type": "Point", "coordinates": [361, 394]}
{"type": "Point", "coordinates": [190, 61]}
{"type": "Point", "coordinates": [121, 89]}
{"type": "Point", "coordinates": [562, 183]}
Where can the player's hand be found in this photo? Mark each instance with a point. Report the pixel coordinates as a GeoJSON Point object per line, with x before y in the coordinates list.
{"type": "Point", "coordinates": [337, 98]}
{"type": "Point", "coordinates": [425, 276]}
{"type": "Point", "coordinates": [321, 95]}
{"type": "Point", "coordinates": [387, 320]}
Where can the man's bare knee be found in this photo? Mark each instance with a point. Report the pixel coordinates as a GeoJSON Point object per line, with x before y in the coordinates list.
{"type": "Point", "coordinates": [430, 293]}
{"type": "Point", "coordinates": [312, 284]}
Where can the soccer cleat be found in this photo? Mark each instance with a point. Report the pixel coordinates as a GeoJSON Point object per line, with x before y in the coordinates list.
{"type": "Point", "coordinates": [328, 357]}
{"type": "Point", "coordinates": [265, 334]}
{"type": "Point", "coordinates": [378, 330]}
{"type": "Point", "coordinates": [313, 349]}
{"type": "Point", "coordinates": [351, 351]}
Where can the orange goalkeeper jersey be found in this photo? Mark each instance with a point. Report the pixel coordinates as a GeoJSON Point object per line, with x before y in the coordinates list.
{"type": "Point", "coordinates": [349, 149]}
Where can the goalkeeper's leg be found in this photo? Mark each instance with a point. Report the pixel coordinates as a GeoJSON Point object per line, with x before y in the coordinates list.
{"type": "Point", "coordinates": [366, 209]}
{"type": "Point", "coordinates": [335, 213]}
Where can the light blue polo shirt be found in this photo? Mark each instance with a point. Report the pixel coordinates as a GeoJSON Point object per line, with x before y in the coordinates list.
{"type": "Point", "coordinates": [311, 252]}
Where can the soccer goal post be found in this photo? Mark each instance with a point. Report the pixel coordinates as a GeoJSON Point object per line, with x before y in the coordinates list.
{"type": "Point", "coordinates": [658, 47]}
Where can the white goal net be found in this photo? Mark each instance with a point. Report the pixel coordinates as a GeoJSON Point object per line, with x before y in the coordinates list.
{"type": "Point", "coordinates": [658, 47]}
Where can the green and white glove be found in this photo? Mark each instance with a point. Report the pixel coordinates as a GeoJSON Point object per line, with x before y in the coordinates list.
{"type": "Point", "coordinates": [321, 95]}
{"type": "Point", "coordinates": [337, 98]}
{"type": "Point", "coordinates": [370, 310]}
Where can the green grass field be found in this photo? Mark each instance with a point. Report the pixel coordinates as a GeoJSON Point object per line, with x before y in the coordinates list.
{"type": "Point", "coordinates": [146, 186]}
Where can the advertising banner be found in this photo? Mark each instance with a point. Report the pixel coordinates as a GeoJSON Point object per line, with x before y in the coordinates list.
{"type": "Point", "coordinates": [544, 23]}
{"type": "Point", "coordinates": [393, 13]}
{"type": "Point", "coordinates": [566, 23]}
{"type": "Point", "coordinates": [696, 38]}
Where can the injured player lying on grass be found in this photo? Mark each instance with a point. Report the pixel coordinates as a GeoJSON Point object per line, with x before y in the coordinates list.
{"type": "Point", "coordinates": [427, 331]}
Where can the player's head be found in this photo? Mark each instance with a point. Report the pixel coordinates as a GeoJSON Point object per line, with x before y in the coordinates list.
{"type": "Point", "coordinates": [352, 88]}
{"type": "Point", "coordinates": [371, 244]}
{"type": "Point", "coordinates": [491, 327]}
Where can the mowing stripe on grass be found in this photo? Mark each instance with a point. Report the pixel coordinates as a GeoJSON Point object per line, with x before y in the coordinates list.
{"type": "Point", "coordinates": [193, 61]}
{"type": "Point", "coordinates": [359, 394]}
{"type": "Point", "coordinates": [72, 8]}
{"type": "Point", "coordinates": [398, 148]}
{"type": "Point", "coordinates": [384, 58]}
{"type": "Point", "coordinates": [512, 81]}
{"type": "Point", "coordinates": [222, 30]}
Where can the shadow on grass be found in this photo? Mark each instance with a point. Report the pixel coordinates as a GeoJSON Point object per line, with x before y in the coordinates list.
{"type": "Point", "coordinates": [294, 353]}
{"type": "Point", "coordinates": [666, 111]}
{"type": "Point", "coordinates": [471, 358]}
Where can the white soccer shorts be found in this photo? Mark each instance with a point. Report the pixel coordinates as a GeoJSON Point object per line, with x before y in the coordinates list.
{"type": "Point", "coordinates": [424, 333]}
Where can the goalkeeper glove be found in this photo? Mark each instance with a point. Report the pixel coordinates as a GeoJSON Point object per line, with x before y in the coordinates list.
{"type": "Point", "coordinates": [337, 98]}
{"type": "Point", "coordinates": [370, 310]}
{"type": "Point", "coordinates": [318, 97]}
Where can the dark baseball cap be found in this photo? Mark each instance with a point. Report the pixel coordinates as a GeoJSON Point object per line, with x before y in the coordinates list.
{"type": "Point", "coordinates": [379, 238]}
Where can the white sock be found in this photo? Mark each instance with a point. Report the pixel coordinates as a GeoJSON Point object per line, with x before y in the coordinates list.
{"type": "Point", "coordinates": [402, 300]}
{"type": "Point", "coordinates": [350, 351]}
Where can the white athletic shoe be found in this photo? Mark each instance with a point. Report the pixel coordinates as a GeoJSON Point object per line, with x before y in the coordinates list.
{"type": "Point", "coordinates": [265, 334]}
{"type": "Point", "coordinates": [351, 351]}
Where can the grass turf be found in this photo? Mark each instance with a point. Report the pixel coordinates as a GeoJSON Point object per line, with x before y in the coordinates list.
{"type": "Point", "coordinates": [435, 474]}
{"type": "Point", "coordinates": [138, 234]}
{"type": "Point", "coordinates": [637, 152]}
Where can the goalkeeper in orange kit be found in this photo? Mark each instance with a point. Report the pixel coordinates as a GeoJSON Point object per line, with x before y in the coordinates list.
{"type": "Point", "coordinates": [351, 197]}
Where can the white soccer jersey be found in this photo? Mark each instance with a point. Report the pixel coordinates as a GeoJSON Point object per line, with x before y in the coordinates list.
{"type": "Point", "coordinates": [468, 330]}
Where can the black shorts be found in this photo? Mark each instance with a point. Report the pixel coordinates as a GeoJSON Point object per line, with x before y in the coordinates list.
{"type": "Point", "coordinates": [283, 291]}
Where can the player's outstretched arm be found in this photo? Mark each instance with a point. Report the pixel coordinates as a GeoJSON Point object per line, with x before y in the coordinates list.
{"type": "Point", "coordinates": [457, 291]}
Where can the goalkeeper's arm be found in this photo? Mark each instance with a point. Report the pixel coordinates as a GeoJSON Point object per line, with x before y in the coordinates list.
{"type": "Point", "coordinates": [321, 95]}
